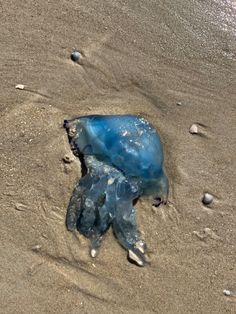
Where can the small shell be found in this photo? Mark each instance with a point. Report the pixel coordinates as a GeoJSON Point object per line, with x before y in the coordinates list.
{"type": "Point", "coordinates": [228, 293]}
{"type": "Point", "coordinates": [20, 86]}
{"type": "Point", "coordinates": [135, 258]}
{"type": "Point", "coordinates": [93, 253]}
{"type": "Point", "coordinates": [207, 199]}
{"type": "Point", "coordinates": [193, 129]}
{"type": "Point", "coordinates": [37, 247]}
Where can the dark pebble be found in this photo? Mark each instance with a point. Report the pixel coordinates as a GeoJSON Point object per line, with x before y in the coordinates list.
{"type": "Point", "coordinates": [75, 56]}
{"type": "Point", "coordinates": [207, 199]}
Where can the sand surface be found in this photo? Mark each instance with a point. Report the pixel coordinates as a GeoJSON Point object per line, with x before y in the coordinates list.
{"type": "Point", "coordinates": [139, 57]}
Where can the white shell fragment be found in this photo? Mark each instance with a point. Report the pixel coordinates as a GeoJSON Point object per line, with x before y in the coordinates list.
{"type": "Point", "coordinates": [135, 258]}
{"type": "Point", "coordinates": [37, 247]}
{"type": "Point", "coordinates": [207, 199]}
{"type": "Point", "coordinates": [20, 86]}
{"type": "Point", "coordinates": [228, 293]}
{"type": "Point", "coordinates": [193, 129]}
{"type": "Point", "coordinates": [93, 253]}
{"type": "Point", "coordinates": [140, 245]}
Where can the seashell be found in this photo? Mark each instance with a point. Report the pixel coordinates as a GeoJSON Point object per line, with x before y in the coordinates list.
{"type": "Point", "coordinates": [193, 129]}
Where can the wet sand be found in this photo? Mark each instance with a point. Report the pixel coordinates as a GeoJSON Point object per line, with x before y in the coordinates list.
{"type": "Point", "coordinates": [140, 58]}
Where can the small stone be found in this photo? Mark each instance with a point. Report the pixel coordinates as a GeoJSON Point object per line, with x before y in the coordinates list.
{"type": "Point", "coordinates": [207, 199]}
{"type": "Point", "coordinates": [68, 159]}
{"type": "Point", "coordinates": [37, 247]}
{"type": "Point", "coordinates": [75, 56]}
{"type": "Point", "coordinates": [228, 293]}
{"type": "Point", "coordinates": [179, 103]}
{"type": "Point", "coordinates": [20, 86]}
{"type": "Point", "coordinates": [93, 253]}
{"type": "Point", "coordinates": [193, 129]}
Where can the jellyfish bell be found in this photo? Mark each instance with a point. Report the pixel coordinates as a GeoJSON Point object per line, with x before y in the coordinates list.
{"type": "Point", "coordinates": [124, 158]}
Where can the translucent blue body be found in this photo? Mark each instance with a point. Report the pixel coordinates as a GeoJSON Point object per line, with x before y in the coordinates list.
{"type": "Point", "coordinates": [123, 157]}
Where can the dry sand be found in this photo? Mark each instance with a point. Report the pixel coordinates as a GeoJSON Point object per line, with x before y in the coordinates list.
{"type": "Point", "coordinates": [140, 57]}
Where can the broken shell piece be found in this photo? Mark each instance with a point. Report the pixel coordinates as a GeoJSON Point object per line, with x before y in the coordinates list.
{"type": "Point", "coordinates": [207, 199]}
{"type": "Point", "coordinates": [228, 293]}
{"type": "Point", "coordinates": [193, 129]}
{"type": "Point", "coordinates": [20, 86]}
{"type": "Point", "coordinates": [37, 247]}
{"type": "Point", "coordinates": [141, 246]}
{"type": "Point", "coordinates": [135, 258]}
{"type": "Point", "coordinates": [93, 253]}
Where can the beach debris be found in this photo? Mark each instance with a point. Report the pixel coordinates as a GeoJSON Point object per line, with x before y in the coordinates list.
{"type": "Point", "coordinates": [226, 292]}
{"type": "Point", "coordinates": [135, 258]}
{"type": "Point", "coordinates": [36, 247]}
{"type": "Point", "coordinates": [93, 252]}
{"type": "Point", "coordinates": [124, 160]}
{"type": "Point", "coordinates": [75, 56]}
{"type": "Point", "coordinates": [20, 86]}
{"type": "Point", "coordinates": [68, 159]}
{"type": "Point", "coordinates": [20, 207]}
{"type": "Point", "coordinates": [212, 234]}
{"type": "Point", "coordinates": [207, 232]}
{"type": "Point", "coordinates": [193, 129]}
{"type": "Point", "coordinates": [207, 199]}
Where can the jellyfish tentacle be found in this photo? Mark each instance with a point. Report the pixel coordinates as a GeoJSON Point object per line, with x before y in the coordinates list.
{"type": "Point", "coordinates": [91, 200]}
{"type": "Point", "coordinates": [77, 201]}
{"type": "Point", "coordinates": [101, 225]}
{"type": "Point", "coordinates": [74, 208]}
{"type": "Point", "coordinates": [105, 215]}
{"type": "Point", "coordinates": [128, 235]}
{"type": "Point", "coordinates": [124, 223]}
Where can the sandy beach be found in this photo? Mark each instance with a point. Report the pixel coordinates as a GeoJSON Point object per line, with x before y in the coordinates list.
{"type": "Point", "coordinates": [173, 62]}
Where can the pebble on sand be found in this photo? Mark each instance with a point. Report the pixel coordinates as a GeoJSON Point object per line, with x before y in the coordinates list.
{"type": "Point", "coordinates": [193, 129]}
{"type": "Point", "coordinates": [207, 199]}
{"type": "Point", "coordinates": [20, 86]}
{"type": "Point", "coordinates": [68, 159]}
{"type": "Point", "coordinates": [228, 293]}
{"type": "Point", "coordinates": [36, 247]}
{"type": "Point", "coordinates": [75, 56]}
{"type": "Point", "coordinates": [93, 253]}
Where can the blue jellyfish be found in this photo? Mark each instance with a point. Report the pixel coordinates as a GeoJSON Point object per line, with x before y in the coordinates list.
{"type": "Point", "coordinates": [122, 160]}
